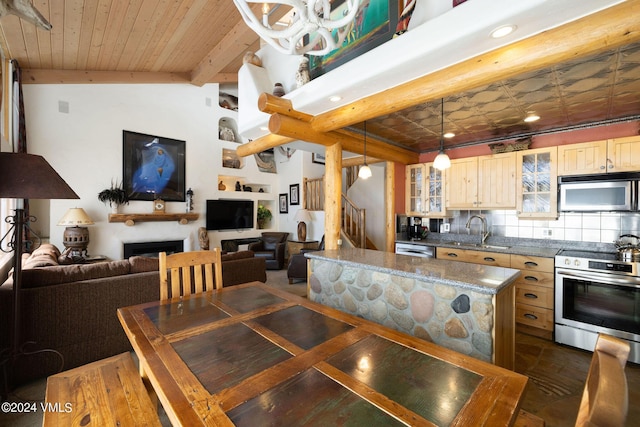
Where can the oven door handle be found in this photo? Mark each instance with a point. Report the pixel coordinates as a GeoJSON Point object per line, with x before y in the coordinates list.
{"type": "Point", "coordinates": [607, 279]}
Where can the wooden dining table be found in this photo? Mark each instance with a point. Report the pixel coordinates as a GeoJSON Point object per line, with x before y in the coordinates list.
{"type": "Point", "coordinates": [253, 355]}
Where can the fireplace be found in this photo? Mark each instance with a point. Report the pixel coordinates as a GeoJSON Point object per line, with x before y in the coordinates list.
{"type": "Point", "coordinates": [152, 249]}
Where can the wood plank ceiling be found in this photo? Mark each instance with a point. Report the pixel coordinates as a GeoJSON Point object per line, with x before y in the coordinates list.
{"type": "Point", "coordinates": [203, 41]}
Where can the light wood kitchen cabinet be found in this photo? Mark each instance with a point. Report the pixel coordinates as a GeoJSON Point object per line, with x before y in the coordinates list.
{"type": "Point", "coordinates": [534, 295]}
{"type": "Point", "coordinates": [496, 259]}
{"type": "Point", "coordinates": [534, 287]}
{"type": "Point", "coordinates": [425, 191]}
{"type": "Point", "coordinates": [624, 154]}
{"type": "Point", "coordinates": [606, 156]}
{"type": "Point", "coordinates": [497, 181]}
{"type": "Point", "coordinates": [415, 194]}
{"type": "Point", "coordinates": [462, 184]}
{"type": "Point", "coordinates": [537, 183]}
{"type": "Point", "coordinates": [484, 182]}
{"type": "Point", "coordinates": [435, 196]}
{"type": "Point", "coordinates": [584, 158]}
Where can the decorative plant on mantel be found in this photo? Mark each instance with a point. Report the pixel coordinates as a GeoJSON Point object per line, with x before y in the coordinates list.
{"type": "Point", "coordinates": [264, 215]}
{"type": "Point", "coordinates": [115, 195]}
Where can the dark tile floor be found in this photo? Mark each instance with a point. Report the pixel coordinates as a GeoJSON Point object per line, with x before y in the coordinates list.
{"type": "Point", "coordinates": [556, 378]}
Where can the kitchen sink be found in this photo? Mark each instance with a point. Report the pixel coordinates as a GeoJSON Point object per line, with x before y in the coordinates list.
{"type": "Point", "coordinates": [478, 245]}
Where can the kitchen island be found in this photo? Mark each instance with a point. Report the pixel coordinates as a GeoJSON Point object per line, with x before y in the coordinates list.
{"type": "Point", "coordinates": [462, 306]}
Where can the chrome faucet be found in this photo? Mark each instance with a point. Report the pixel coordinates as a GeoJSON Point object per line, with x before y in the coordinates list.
{"type": "Point", "coordinates": [485, 233]}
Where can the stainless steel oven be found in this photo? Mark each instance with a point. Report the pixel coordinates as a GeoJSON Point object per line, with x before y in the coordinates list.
{"type": "Point", "coordinates": [595, 292]}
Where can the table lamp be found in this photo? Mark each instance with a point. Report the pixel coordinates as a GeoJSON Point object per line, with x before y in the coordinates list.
{"type": "Point", "coordinates": [76, 237]}
{"type": "Point", "coordinates": [301, 216]}
{"type": "Point", "coordinates": [24, 176]}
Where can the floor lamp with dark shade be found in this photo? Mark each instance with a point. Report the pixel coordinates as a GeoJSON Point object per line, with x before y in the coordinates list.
{"type": "Point", "coordinates": [24, 176]}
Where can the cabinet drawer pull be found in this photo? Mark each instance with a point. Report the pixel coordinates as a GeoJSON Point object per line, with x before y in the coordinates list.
{"type": "Point", "coordinates": [531, 278]}
{"type": "Point", "coordinates": [489, 259]}
{"type": "Point", "coordinates": [530, 295]}
{"type": "Point", "coordinates": [531, 264]}
{"type": "Point", "coordinates": [451, 254]}
{"type": "Point", "coordinates": [531, 316]}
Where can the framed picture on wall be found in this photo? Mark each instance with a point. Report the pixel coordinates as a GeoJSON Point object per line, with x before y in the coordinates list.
{"type": "Point", "coordinates": [153, 167]}
{"type": "Point", "coordinates": [283, 203]}
{"type": "Point", "coordinates": [317, 158]}
{"type": "Point", "coordinates": [294, 194]}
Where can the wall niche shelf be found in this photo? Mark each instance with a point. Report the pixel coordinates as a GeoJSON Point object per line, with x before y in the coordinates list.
{"type": "Point", "coordinates": [230, 185]}
{"type": "Point", "coordinates": [130, 219]}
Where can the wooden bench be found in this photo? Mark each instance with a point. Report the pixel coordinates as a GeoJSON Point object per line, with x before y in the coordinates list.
{"type": "Point", "coordinates": [108, 392]}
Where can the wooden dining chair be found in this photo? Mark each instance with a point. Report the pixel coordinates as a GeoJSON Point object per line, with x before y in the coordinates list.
{"type": "Point", "coordinates": [187, 273]}
{"type": "Point", "coordinates": [605, 397]}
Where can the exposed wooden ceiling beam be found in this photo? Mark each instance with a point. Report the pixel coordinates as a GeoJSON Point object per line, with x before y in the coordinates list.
{"type": "Point", "coordinates": [294, 125]}
{"type": "Point", "coordinates": [261, 144]}
{"type": "Point", "coordinates": [298, 129]}
{"type": "Point", "coordinates": [604, 30]}
{"type": "Point", "coordinates": [237, 40]}
{"type": "Point", "coordinates": [358, 160]}
{"type": "Point", "coordinates": [272, 104]}
{"type": "Point", "coordinates": [36, 76]}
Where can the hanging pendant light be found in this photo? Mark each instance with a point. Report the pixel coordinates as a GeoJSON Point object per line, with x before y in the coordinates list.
{"type": "Point", "coordinates": [442, 161]}
{"type": "Point", "coordinates": [365, 170]}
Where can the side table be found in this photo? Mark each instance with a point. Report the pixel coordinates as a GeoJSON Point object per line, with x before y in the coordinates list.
{"type": "Point", "coordinates": [295, 246]}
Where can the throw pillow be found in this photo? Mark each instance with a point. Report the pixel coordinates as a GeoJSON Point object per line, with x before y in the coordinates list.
{"type": "Point", "coordinates": [44, 256]}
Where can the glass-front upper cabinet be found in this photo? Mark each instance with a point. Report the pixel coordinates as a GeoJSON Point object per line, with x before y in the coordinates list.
{"type": "Point", "coordinates": [436, 196]}
{"type": "Point", "coordinates": [537, 192]}
{"type": "Point", "coordinates": [415, 185]}
{"type": "Point", "coordinates": [425, 191]}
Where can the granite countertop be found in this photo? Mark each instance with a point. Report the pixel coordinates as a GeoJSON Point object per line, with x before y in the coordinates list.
{"type": "Point", "coordinates": [479, 278]}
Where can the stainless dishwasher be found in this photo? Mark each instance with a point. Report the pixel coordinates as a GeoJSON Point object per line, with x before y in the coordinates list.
{"type": "Point", "coordinates": [415, 249]}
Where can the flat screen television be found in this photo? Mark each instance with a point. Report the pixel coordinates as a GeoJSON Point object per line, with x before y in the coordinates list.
{"type": "Point", "coordinates": [226, 214]}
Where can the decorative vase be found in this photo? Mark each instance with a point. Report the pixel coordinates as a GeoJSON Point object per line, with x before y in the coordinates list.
{"type": "Point", "coordinates": [278, 90]}
{"type": "Point", "coordinates": [261, 223]}
{"type": "Point", "coordinates": [114, 208]}
{"type": "Point", "coordinates": [302, 231]}
{"type": "Point", "coordinates": [221, 186]}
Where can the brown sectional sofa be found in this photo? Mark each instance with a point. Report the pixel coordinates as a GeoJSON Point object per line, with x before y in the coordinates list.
{"type": "Point", "coordinates": [73, 309]}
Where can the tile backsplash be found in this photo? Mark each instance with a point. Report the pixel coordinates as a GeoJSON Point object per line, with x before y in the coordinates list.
{"type": "Point", "coordinates": [603, 227]}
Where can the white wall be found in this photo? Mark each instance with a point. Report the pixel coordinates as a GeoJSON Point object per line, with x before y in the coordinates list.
{"type": "Point", "coordinates": [85, 147]}
{"type": "Point", "coordinates": [294, 169]}
{"type": "Point", "coordinates": [369, 194]}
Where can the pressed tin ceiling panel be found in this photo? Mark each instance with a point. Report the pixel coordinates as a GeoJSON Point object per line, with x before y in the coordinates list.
{"type": "Point", "coordinates": [599, 88]}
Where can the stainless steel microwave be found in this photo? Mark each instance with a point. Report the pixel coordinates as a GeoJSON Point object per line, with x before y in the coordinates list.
{"type": "Point", "coordinates": [599, 193]}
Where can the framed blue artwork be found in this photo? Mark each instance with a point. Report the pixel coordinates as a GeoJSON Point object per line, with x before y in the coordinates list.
{"type": "Point", "coordinates": [153, 167]}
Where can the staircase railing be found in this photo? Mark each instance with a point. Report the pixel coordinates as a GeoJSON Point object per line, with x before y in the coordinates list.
{"type": "Point", "coordinates": [353, 217]}
{"type": "Point", "coordinates": [354, 222]}
{"type": "Point", "coordinates": [313, 191]}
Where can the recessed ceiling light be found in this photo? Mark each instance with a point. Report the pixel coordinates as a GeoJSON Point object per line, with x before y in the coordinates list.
{"type": "Point", "coordinates": [503, 31]}
{"type": "Point", "coordinates": [449, 135]}
{"type": "Point", "coordinates": [335, 98]}
{"type": "Point", "coordinates": [531, 117]}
